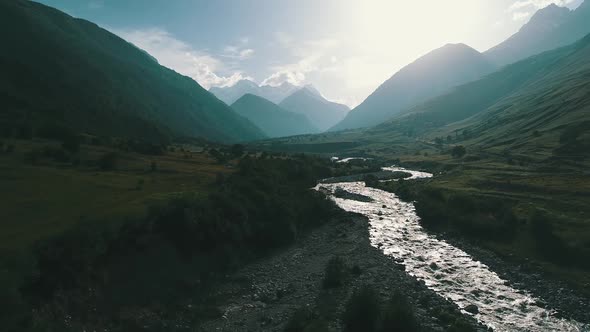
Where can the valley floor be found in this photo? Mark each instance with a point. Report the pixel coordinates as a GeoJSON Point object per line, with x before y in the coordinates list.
{"type": "Point", "coordinates": [264, 295]}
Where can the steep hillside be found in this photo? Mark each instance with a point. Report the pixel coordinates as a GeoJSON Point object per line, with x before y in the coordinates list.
{"type": "Point", "coordinates": [475, 97]}
{"type": "Point", "coordinates": [272, 119]}
{"type": "Point", "coordinates": [427, 77]}
{"type": "Point", "coordinates": [549, 118]}
{"type": "Point", "coordinates": [321, 112]}
{"type": "Point", "coordinates": [61, 70]}
{"type": "Point", "coordinates": [549, 28]}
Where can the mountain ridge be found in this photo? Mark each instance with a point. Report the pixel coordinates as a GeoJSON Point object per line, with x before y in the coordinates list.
{"type": "Point", "coordinates": [320, 111]}
{"type": "Point", "coordinates": [426, 77]}
{"type": "Point", "coordinates": [549, 28]}
{"type": "Point", "coordinates": [271, 118]}
{"type": "Point", "coordinates": [275, 94]}
{"type": "Point", "coordinates": [119, 89]}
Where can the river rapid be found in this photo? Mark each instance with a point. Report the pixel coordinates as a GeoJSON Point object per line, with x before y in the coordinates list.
{"type": "Point", "coordinates": [395, 229]}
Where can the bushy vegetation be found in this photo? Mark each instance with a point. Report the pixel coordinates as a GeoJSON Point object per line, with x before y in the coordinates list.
{"type": "Point", "coordinates": [335, 273]}
{"type": "Point", "coordinates": [550, 246]}
{"type": "Point", "coordinates": [478, 216]}
{"type": "Point", "coordinates": [306, 320]}
{"type": "Point", "coordinates": [97, 271]}
{"type": "Point", "coordinates": [364, 312]}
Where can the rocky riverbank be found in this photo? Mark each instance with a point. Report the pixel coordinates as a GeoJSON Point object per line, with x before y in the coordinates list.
{"type": "Point", "coordinates": [264, 295]}
{"type": "Point", "coordinates": [531, 277]}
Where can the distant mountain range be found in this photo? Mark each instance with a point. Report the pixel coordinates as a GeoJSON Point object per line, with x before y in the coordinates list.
{"type": "Point", "coordinates": [271, 118]}
{"type": "Point", "coordinates": [57, 69]}
{"type": "Point", "coordinates": [548, 28]}
{"type": "Point", "coordinates": [427, 77]}
{"type": "Point", "coordinates": [306, 100]}
{"type": "Point", "coordinates": [537, 109]}
{"type": "Point", "coordinates": [275, 94]}
{"type": "Point", "coordinates": [321, 112]}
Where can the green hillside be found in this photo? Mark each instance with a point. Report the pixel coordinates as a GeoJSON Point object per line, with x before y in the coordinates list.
{"type": "Point", "coordinates": [57, 69]}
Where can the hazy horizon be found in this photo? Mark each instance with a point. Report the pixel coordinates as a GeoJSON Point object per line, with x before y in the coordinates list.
{"type": "Point", "coordinates": [345, 50]}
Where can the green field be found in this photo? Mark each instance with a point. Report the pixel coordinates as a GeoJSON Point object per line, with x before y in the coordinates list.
{"type": "Point", "coordinates": [48, 197]}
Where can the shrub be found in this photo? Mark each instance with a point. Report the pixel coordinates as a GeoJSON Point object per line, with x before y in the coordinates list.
{"type": "Point", "coordinates": [361, 313]}
{"type": "Point", "coordinates": [71, 143]}
{"type": "Point", "coordinates": [108, 161]}
{"type": "Point", "coordinates": [237, 150]}
{"type": "Point", "coordinates": [301, 320]}
{"type": "Point", "coordinates": [458, 151]}
{"type": "Point", "coordinates": [57, 154]}
{"type": "Point", "coordinates": [335, 273]}
{"type": "Point", "coordinates": [399, 315]}
{"type": "Point", "coordinates": [371, 180]}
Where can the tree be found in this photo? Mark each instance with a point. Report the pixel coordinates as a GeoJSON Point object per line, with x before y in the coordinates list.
{"type": "Point", "coordinates": [108, 161]}
{"type": "Point", "coordinates": [458, 151]}
{"type": "Point", "coordinates": [237, 150]}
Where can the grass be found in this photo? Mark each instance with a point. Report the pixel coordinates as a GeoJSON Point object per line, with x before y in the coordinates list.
{"type": "Point", "coordinates": [45, 199]}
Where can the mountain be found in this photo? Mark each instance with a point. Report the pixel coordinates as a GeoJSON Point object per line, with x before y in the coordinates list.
{"type": "Point", "coordinates": [549, 28]}
{"type": "Point", "coordinates": [539, 105]}
{"type": "Point", "coordinates": [321, 112]}
{"type": "Point", "coordinates": [278, 93]}
{"type": "Point", "coordinates": [67, 71]}
{"type": "Point", "coordinates": [230, 94]}
{"type": "Point", "coordinates": [427, 77]}
{"type": "Point", "coordinates": [547, 118]}
{"type": "Point", "coordinates": [272, 119]}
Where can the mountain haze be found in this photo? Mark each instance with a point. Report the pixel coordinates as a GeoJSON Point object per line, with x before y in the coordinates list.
{"type": "Point", "coordinates": [68, 71]}
{"type": "Point", "coordinates": [272, 119]}
{"type": "Point", "coordinates": [549, 28]}
{"type": "Point", "coordinates": [321, 112]}
{"type": "Point", "coordinates": [427, 77]}
{"type": "Point", "coordinates": [275, 94]}
{"type": "Point", "coordinates": [539, 106]}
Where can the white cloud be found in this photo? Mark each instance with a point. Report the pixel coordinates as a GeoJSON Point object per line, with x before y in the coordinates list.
{"type": "Point", "coordinates": [296, 78]}
{"type": "Point", "coordinates": [310, 56]}
{"type": "Point", "coordinates": [96, 4]}
{"type": "Point", "coordinates": [183, 58]}
{"type": "Point", "coordinates": [518, 16]}
{"type": "Point", "coordinates": [237, 53]}
{"type": "Point", "coordinates": [522, 9]}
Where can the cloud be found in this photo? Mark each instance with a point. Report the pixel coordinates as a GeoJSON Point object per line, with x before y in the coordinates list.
{"type": "Point", "coordinates": [309, 56]}
{"type": "Point", "coordinates": [296, 78]}
{"type": "Point", "coordinates": [522, 9]}
{"type": "Point", "coordinates": [183, 58]}
{"type": "Point", "coordinates": [518, 16]}
{"type": "Point", "coordinates": [96, 4]}
{"type": "Point", "coordinates": [237, 53]}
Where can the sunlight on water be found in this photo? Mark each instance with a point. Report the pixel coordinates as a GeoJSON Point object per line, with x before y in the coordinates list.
{"type": "Point", "coordinates": [395, 229]}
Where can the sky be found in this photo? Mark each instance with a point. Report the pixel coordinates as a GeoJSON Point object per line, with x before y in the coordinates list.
{"type": "Point", "coordinates": [345, 48]}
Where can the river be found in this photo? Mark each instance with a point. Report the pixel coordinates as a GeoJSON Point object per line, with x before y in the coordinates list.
{"type": "Point", "coordinates": [395, 229]}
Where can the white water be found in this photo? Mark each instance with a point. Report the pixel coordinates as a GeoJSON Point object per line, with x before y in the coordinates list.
{"type": "Point", "coordinates": [449, 271]}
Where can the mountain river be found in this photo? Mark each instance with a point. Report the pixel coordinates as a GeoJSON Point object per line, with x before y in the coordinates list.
{"type": "Point", "coordinates": [395, 229]}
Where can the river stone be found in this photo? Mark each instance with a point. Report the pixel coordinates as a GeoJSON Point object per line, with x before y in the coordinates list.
{"type": "Point", "coordinates": [472, 309]}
